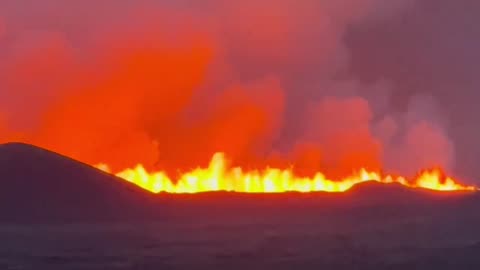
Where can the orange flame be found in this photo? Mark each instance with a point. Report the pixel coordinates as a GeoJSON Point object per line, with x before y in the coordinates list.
{"type": "Point", "coordinates": [220, 177]}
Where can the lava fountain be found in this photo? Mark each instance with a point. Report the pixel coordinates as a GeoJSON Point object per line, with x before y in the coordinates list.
{"type": "Point", "coordinates": [218, 176]}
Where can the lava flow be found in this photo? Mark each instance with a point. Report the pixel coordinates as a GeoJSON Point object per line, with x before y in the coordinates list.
{"type": "Point", "coordinates": [220, 177]}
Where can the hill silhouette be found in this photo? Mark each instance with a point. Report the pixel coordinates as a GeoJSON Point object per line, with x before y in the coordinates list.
{"type": "Point", "coordinates": [39, 185]}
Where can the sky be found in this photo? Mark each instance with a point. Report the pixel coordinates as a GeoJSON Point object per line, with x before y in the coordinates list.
{"type": "Point", "coordinates": [320, 85]}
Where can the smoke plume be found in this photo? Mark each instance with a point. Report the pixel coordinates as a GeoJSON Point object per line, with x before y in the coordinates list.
{"type": "Point", "coordinates": [169, 83]}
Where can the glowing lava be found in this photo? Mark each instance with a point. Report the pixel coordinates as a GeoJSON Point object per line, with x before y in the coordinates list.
{"type": "Point", "coordinates": [220, 177]}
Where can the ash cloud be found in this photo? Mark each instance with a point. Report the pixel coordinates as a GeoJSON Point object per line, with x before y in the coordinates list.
{"type": "Point", "coordinates": [168, 83]}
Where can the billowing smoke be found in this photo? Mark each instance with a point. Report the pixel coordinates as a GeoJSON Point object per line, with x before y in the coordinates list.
{"type": "Point", "coordinates": [168, 84]}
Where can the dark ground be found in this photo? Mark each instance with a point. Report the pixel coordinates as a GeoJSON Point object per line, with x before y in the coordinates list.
{"type": "Point", "coordinates": [255, 242]}
{"type": "Point", "coordinates": [47, 223]}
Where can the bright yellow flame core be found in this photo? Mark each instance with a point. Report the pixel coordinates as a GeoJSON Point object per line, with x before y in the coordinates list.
{"type": "Point", "coordinates": [220, 177]}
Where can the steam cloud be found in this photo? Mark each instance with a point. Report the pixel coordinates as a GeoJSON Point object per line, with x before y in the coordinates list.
{"type": "Point", "coordinates": [168, 84]}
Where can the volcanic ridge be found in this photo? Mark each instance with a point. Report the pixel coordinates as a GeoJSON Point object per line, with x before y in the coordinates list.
{"type": "Point", "coordinates": [40, 185]}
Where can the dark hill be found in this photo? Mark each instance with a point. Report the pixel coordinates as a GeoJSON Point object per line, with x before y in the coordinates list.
{"type": "Point", "coordinates": [39, 185]}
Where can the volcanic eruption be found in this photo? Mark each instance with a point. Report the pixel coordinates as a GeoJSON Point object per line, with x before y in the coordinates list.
{"type": "Point", "coordinates": [186, 101]}
{"type": "Point", "coordinates": [239, 134]}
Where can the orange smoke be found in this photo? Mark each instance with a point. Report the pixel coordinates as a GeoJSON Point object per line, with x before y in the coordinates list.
{"type": "Point", "coordinates": [218, 176]}
{"type": "Point", "coordinates": [110, 114]}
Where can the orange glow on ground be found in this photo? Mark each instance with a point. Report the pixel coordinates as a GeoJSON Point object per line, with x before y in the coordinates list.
{"type": "Point", "coordinates": [218, 176]}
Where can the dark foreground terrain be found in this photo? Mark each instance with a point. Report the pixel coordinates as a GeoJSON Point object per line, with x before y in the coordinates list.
{"type": "Point", "coordinates": [51, 218]}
